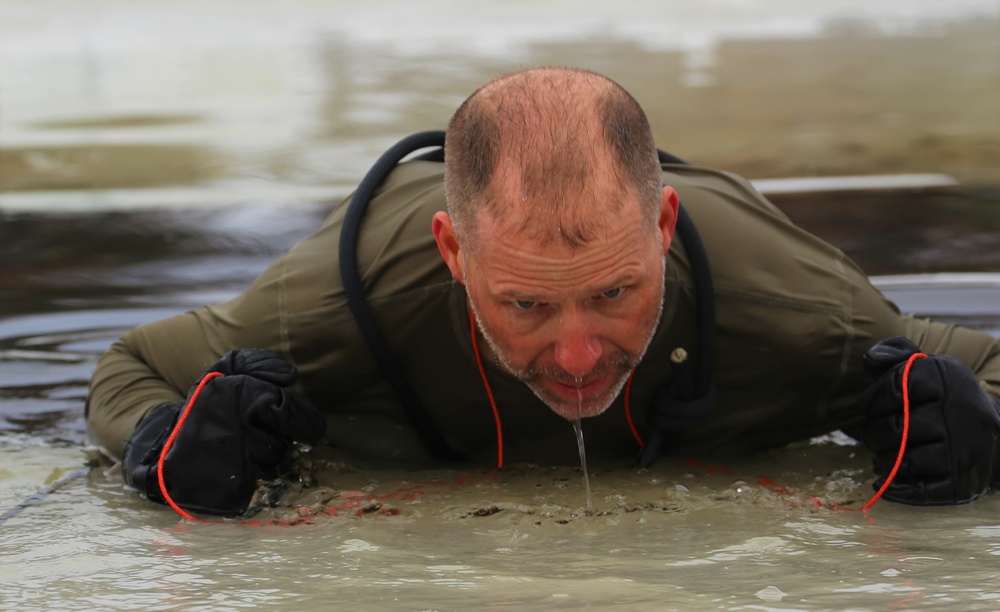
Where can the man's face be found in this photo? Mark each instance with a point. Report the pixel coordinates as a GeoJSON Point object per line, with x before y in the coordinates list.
{"type": "Point", "coordinates": [569, 322]}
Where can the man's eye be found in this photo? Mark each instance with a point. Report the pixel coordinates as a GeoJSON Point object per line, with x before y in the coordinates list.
{"type": "Point", "coordinates": [613, 293]}
{"type": "Point", "coordinates": [525, 304]}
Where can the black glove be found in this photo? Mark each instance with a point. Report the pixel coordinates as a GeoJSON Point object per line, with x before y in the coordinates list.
{"type": "Point", "coordinates": [951, 448]}
{"type": "Point", "coordinates": [238, 431]}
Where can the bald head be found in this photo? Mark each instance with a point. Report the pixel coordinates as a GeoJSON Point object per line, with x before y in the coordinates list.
{"type": "Point", "coordinates": [551, 150]}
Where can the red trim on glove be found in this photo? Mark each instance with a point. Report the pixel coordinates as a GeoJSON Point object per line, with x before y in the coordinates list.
{"type": "Point", "coordinates": [906, 430]}
{"type": "Point", "coordinates": [170, 443]}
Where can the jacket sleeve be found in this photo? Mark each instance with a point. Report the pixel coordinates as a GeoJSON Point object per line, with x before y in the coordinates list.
{"type": "Point", "coordinates": [158, 362]}
{"type": "Point", "coordinates": [151, 365]}
{"type": "Point", "coordinates": [296, 308]}
{"type": "Point", "coordinates": [978, 350]}
{"type": "Point", "coordinates": [794, 317]}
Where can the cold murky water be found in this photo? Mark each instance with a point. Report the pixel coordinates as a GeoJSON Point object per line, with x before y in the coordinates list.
{"type": "Point", "coordinates": [155, 157]}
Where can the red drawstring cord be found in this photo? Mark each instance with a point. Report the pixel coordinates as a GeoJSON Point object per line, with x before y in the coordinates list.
{"type": "Point", "coordinates": [170, 442]}
{"type": "Point", "coordinates": [489, 391]}
{"type": "Point", "coordinates": [628, 411]}
{"type": "Point", "coordinates": [906, 430]}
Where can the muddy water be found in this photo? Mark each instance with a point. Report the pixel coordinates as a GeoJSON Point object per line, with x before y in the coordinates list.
{"type": "Point", "coordinates": [155, 157]}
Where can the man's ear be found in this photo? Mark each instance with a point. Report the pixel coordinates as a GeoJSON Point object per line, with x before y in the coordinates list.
{"type": "Point", "coordinates": [669, 204]}
{"type": "Point", "coordinates": [447, 243]}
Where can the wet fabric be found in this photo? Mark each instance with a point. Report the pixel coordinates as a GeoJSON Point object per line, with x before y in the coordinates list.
{"type": "Point", "coordinates": [794, 317]}
{"type": "Point", "coordinates": [951, 431]}
{"type": "Point", "coordinates": [238, 430]}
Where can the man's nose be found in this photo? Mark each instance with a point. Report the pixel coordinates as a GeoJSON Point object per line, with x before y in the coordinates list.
{"type": "Point", "coordinates": [577, 350]}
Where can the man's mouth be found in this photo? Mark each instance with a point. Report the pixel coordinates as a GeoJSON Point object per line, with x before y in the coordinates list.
{"type": "Point", "coordinates": [582, 389]}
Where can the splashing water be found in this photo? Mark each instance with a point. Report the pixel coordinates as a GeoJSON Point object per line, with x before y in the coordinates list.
{"type": "Point", "coordinates": [578, 428]}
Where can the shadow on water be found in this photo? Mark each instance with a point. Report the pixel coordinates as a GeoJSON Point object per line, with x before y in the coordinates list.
{"type": "Point", "coordinates": [902, 232]}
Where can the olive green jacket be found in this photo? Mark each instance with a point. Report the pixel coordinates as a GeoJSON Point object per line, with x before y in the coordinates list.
{"type": "Point", "coordinates": [794, 316]}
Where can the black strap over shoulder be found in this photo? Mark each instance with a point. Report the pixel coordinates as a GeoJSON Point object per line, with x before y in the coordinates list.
{"type": "Point", "coordinates": [355, 292]}
{"type": "Point", "coordinates": [686, 401]}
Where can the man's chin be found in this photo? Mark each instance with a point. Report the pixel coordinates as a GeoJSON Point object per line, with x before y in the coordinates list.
{"type": "Point", "coordinates": [575, 412]}
{"type": "Point", "coordinates": [571, 403]}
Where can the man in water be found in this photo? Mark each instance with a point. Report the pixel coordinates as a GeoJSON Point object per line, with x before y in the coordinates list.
{"type": "Point", "coordinates": [535, 277]}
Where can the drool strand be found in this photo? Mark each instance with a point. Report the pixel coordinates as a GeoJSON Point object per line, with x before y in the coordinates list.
{"type": "Point", "coordinates": [578, 427]}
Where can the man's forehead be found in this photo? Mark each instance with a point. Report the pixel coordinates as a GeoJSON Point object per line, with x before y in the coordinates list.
{"type": "Point", "coordinates": [580, 218]}
{"type": "Point", "coordinates": [594, 187]}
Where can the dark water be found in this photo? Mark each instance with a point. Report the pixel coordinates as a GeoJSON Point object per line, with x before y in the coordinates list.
{"type": "Point", "coordinates": [70, 284]}
{"type": "Point", "coordinates": [947, 230]}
